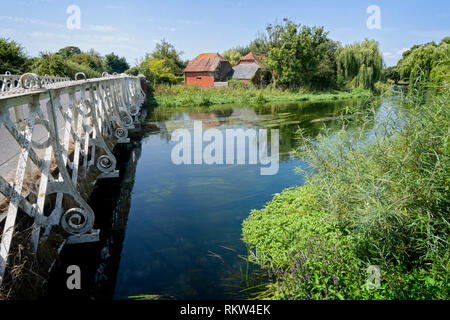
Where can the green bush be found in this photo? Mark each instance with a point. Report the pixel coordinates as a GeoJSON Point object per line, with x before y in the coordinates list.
{"type": "Point", "coordinates": [238, 84]}
{"type": "Point", "coordinates": [133, 71]}
{"type": "Point", "coordinates": [382, 201]}
{"type": "Point", "coordinates": [55, 64]}
{"type": "Point", "coordinates": [391, 194]}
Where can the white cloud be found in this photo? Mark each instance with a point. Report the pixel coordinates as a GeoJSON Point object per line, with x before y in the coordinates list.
{"type": "Point", "coordinates": [6, 32]}
{"type": "Point", "coordinates": [434, 34]}
{"type": "Point", "coordinates": [31, 21]}
{"type": "Point", "coordinates": [101, 28]}
{"type": "Point", "coordinates": [167, 29]}
{"type": "Point", "coordinates": [47, 35]}
{"type": "Point", "coordinates": [395, 53]}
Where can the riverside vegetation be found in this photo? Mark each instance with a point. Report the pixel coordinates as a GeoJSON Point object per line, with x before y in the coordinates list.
{"type": "Point", "coordinates": [168, 96]}
{"type": "Point", "coordinates": [371, 199]}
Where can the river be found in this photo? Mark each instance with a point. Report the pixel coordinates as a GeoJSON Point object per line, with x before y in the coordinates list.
{"type": "Point", "coordinates": [174, 231]}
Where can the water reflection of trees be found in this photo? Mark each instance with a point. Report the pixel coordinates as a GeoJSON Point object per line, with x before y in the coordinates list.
{"type": "Point", "coordinates": [288, 118]}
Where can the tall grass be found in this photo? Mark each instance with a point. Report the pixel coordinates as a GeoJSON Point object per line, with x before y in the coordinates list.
{"type": "Point", "coordinates": [188, 96]}
{"type": "Point", "coordinates": [384, 196]}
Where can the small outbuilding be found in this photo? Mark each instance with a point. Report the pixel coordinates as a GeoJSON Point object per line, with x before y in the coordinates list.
{"type": "Point", "coordinates": [206, 69]}
{"type": "Point", "coordinates": [247, 68]}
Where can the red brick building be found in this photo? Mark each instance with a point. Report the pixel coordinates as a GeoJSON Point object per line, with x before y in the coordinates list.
{"type": "Point", "coordinates": [205, 69]}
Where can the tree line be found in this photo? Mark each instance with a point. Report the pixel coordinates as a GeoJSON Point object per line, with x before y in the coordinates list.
{"type": "Point", "coordinates": [422, 64]}
{"type": "Point", "coordinates": [303, 56]}
{"type": "Point", "coordinates": [296, 56]}
{"type": "Point", "coordinates": [65, 62]}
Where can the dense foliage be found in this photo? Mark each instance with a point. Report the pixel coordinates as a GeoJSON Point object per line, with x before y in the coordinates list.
{"type": "Point", "coordinates": [12, 57]}
{"type": "Point", "coordinates": [302, 56]}
{"type": "Point", "coordinates": [237, 92]}
{"type": "Point", "coordinates": [65, 62]}
{"type": "Point", "coordinates": [54, 64]}
{"type": "Point", "coordinates": [359, 65]}
{"type": "Point", "coordinates": [392, 74]}
{"type": "Point", "coordinates": [163, 65]}
{"type": "Point", "coordinates": [373, 197]}
{"type": "Point", "coordinates": [114, 63]}
{"type": "Point", "coordinates": [70, 60]}
{"type": "Point", "coordinates": [232, 55]}
{"type": "Point", "coordinates": [298, 54]}
{"type": "Point", "coordinates": [426, 63]}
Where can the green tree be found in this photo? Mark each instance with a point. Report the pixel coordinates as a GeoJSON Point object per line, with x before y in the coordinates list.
{"type": "Point", "coordinates": [113, 63]}
{"type": "Point", "coordinates": [157, 71]}
{"type": "Point", "coordinates": [53, 64]}
{"type": "Point", "coordinates": [423, 63]}
{"type": "Point", "coordinates": [163, 65]}
{"type": "Point", "coordinates": [232, 55]}
{"type": "Point", "coordinates": [167, 52]}
{"type": "Point", "coordinates": [69, 51]}
{"type": "Point", "coordinates": [12, 57]}
{"type": "Point", "coordinates": [392, 73]}
{"type": "Point", "coordinates": [359, 65]}
{"type": "Point", "coordinates": [271, 38]}
{"type": "Point", "coordinates": [134, 71]}
{"type": "Point", "coordinates": [325, 75]}
{"type": "Point", "coordinates": [295, 53]}
{"type": "Point", "coordinates": [89, 60]}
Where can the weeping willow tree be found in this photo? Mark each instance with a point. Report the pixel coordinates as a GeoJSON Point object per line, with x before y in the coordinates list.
{"type": "Point", "coordinates": [426, 63]}
{"type": "Point", "coordinates": [359, 65]}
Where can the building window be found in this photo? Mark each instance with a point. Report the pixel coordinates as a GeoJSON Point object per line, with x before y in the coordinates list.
{"type": "Point", "coordinates": [199, 78]}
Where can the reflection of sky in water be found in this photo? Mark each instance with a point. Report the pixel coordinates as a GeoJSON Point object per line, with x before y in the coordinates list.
{"type": "Point", "coordinates": [184, 227]}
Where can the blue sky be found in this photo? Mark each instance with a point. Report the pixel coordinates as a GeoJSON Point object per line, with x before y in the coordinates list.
{"type": "Point", "coordinates": [131, 28]}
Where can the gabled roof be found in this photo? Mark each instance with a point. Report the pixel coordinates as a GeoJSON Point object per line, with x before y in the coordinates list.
{"type": "Point", "coordinates": [253, 57]}
{"type": "Point", "coordinates": [205, 62]}
{"type": "Point", "coordinates": [244, 71]}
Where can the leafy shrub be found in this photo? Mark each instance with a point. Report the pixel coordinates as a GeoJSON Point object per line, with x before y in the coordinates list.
{"type": "Point", "coordinates": [133, 71]}
{"type": "Point", "coordinates": [238, 84]}
{"type": "Point", "coordinates": [88, 60]}
{"type": "Point", "coordinates": [380, 195]}
{"type": "Point", "coordinates": [284, 225]}
{"type": "Point", "coordinates": [55, 64]}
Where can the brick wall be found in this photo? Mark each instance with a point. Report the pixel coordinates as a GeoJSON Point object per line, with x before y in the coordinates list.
{"type": "Point", "coordinates": [202, 79]}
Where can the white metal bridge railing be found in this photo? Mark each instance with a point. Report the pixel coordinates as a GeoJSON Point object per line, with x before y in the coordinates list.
{"type": "Point", "coordinates": [9, 82]}
{"type": "Point", "coordinates": [59, 128]}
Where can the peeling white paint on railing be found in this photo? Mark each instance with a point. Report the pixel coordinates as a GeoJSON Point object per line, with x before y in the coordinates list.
{"type": "Point", "coordinates": [72, 114]}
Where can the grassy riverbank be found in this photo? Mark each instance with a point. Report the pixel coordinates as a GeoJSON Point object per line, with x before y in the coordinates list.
{"type": "Point", "coordinates": [184, 96]}
{"type": "Point", "coordinates": [383, 203]}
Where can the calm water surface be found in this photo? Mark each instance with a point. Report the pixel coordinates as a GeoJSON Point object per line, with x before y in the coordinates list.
{"type": "Point", "coordinates": [175, 231]}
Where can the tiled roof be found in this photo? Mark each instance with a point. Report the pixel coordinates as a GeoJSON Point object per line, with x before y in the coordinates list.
{"type": "Point", "coordinates": [244, 71]}
{"type": "Point", "coordinates": [205, 62]}
{"type": "Point", "coordinates": [253, 57]}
